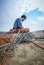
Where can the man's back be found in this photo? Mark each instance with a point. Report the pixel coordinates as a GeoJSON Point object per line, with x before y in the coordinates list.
{"type": "Point", "coordinates": [17, 23]}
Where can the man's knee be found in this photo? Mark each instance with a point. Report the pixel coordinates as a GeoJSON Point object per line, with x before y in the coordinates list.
{"type": "Point", "coordinates": [24, 30]}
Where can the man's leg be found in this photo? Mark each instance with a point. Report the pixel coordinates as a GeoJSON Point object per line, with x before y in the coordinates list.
{"type": "Point", "coordinates": [19, 29]}
{"type": "Point", "coordinates": [24, 30]}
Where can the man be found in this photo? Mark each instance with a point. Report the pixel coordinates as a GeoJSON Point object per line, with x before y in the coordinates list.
{"type": "Point", "coordinates": [18, 25]}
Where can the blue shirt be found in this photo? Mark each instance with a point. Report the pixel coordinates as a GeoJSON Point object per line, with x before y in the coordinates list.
{"type": "Point", "coordinates": [17, 23]}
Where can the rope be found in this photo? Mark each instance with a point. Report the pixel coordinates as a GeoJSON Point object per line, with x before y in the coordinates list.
{"type": "Point", "coordinates": [41, 46]}
{"type": "Point", "coordinates": [5, 56]}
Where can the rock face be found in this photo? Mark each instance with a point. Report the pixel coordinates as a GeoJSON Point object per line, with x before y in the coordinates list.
{"type": "Point", "coordinates": [25, 52]}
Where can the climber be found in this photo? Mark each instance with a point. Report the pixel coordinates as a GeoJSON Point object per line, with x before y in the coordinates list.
{"type": "Point", "coordinates": [18, 25]}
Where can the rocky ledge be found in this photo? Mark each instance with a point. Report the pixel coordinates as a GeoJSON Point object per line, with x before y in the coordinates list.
{"type": "Point", "coordinates": [24, 52]}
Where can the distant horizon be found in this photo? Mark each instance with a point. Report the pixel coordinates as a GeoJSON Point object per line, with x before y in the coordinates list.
{"type": "Point", "coordinates": [29, 31]}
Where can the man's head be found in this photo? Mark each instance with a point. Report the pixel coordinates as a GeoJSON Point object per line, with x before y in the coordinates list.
{"type": "Point", "coordinates": [23, 17]}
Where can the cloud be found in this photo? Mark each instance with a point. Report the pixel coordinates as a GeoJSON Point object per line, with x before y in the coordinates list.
{"type": "Point", "coordinates": [33, 22]}
{"type": "Point", "coordinates": [15, 8]}
{"type": "Point", "coordinates": [11, 9]}
{"type": "Point", "coordinates": [28, 5]}
{"type": "Point", "coordinates": [41, 18]}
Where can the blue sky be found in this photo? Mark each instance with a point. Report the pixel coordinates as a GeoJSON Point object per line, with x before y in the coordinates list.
{"type": "Point", "coordinates": [11, 9]}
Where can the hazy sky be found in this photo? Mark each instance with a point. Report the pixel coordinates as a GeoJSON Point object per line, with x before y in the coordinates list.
{"type": "Point", "coordinates": [11, 9]}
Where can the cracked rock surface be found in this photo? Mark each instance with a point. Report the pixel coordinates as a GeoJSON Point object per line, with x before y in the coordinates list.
{"type": "Point", "coordinates": [25, 52]}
